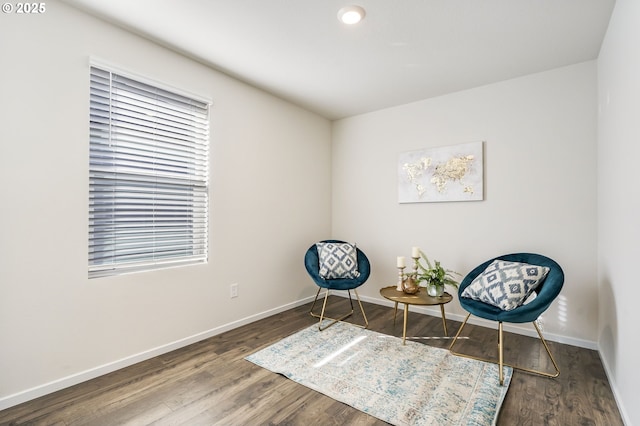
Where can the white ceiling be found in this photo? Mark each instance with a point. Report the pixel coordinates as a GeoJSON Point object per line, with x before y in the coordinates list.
{"type": "Point", "coordinates": [403, 51]}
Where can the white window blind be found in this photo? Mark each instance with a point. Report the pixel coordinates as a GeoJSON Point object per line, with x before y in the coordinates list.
{"type": "Point", "coordinates": [148, 176]}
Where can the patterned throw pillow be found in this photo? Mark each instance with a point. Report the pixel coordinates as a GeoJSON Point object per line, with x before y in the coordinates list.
{"type": "Point", "coordinates": [338, 260]}
{"type": "Point", "coordinates": [505, 284]}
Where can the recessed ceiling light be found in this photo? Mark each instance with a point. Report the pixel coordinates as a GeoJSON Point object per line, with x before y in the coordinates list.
{"type": "Point", "coordinates": [351, 14]}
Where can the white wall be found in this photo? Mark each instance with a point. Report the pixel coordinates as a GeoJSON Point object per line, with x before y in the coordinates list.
{"type": "Point", "coordinates": [619, 204]}
{"type": "Point", "coordinates": [540, 180]}
{"type": "Point", "coordinates": [56, 326]}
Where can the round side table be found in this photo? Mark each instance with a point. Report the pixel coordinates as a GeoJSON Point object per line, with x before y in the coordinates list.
{"type": "Point", "coordinates": [419, 298]}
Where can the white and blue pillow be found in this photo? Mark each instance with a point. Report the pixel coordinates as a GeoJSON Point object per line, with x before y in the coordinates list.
{"type": "Point", "coordinates": [506, 285]}
{"type": "Point", "coordinates": [338, 260]}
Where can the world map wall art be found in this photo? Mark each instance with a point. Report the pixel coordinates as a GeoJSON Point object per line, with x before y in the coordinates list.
{"type": "Point", "coordinates": [448, 173]}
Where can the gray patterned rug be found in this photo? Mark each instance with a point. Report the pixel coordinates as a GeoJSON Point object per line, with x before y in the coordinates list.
{"type": "Point", "coordinates": [403, 385]}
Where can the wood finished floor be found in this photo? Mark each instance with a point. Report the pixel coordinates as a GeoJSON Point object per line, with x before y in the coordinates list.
{"type": "Point", "coordinates": [210, 383]}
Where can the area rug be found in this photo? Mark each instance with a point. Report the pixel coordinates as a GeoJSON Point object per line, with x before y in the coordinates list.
{"type": "Point", "coordinates": [414, 384]}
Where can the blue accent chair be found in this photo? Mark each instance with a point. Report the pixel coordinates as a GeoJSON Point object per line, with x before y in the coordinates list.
{"type": "Point", "coordinates": [546, 292]}
{"type": "Point", "coordinates": [312, 264]}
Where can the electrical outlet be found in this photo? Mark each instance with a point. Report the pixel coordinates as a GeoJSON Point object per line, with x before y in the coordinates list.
{"type": "Point", "coordinates": [234, 290]}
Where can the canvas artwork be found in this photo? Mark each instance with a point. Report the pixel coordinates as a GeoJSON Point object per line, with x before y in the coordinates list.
{"type": "Point", "coordinates": [448, 173]}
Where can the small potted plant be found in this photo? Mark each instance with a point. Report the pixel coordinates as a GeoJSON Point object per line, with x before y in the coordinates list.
{"type": "Point", "coordinates": [434, 276]}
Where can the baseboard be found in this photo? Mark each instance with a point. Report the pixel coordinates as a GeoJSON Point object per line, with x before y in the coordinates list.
{"type": "Point", "coordinates": [614, 389]}
{"type": "Point", "coordinates": [92, 373]}
{"type": "Point", "coordinates": [435, 311]}
{"type": "Point", "coordinates": [56, 385]}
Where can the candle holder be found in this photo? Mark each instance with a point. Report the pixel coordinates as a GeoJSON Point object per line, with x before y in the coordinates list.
{"type": "Point", "coordinates": [415, 266]}
{"type": "Point", "coordinates": [400, 278]}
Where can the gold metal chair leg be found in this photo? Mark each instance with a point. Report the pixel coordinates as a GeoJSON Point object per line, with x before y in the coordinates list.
{"type": "Point", "coordinates": [366, 321]}
{"type": "Point", "coordinates": [453, 342]}
{"type": "Point", "coordinates": [342, 318]}
{"type": "Point", "coordinates": [500, 356]}
{"type": "Point", "coordinates": [314, 303]}
{"type": "Point", "coordinates": [546, 347]}
{"type": "Point", "coordinates": [501, 362]}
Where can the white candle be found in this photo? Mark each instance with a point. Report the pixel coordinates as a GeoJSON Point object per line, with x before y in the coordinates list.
{"type": "Point", "coordinates": [415, 252]}
{"type": "Point", "coordinates": [401, 262]}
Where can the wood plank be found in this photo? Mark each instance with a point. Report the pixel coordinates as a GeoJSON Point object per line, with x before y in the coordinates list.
{"type": "Point", "coordinates": [210, 382]}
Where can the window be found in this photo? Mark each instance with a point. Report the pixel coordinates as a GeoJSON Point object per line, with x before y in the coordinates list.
{"type": "Point", "coordinates": [148, 176]}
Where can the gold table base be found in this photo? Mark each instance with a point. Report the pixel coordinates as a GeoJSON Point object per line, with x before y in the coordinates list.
{"type": "Point", "coordinates": [420, 298]}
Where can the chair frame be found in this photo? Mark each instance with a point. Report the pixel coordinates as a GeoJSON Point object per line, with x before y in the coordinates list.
{"type": "Point", "coordinates": [534, 313]}
{"type": "Point", "coordinates": [501, 362]}
{"type": "Point", "coordinates": [339, 285]}
{"type": "Point", "coordinates": [341, 318]}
